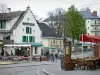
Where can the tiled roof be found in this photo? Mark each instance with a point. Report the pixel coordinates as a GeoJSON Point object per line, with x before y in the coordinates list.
{"type": "Point", "coordinates": [87, 14]}
{"type": "Point", "coordinates": [46, 30]}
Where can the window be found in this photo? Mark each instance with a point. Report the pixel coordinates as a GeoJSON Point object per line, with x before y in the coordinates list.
{"type": "Point", "coordinates": [3, 24]}
{"type": "Point", "coordinates": [25, 38]}
{"type": "Point", "coordinates": [95, 21]}
{"type": "Point", "coordinates": [28, 30]}
{"type": "Point", "coordinates": [51, 41]}
{"type": "Point", "coordinates": [60, 42]}
{"type": "Point", "coordinates": [28, 19]}
{"type": "Point", "coordinates": [31, 39]}
{"type": "Point", "coordinates": [36, 50]}
{"type": "Point", "coordinates": [8, 37]}
{"type": "Point", "coordinates": [54, 42]}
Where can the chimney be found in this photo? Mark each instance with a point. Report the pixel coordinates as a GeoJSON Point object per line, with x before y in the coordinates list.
{"type": "Point", "coordinates": [9, 9]}
{"type": "Point", "coordinates": [94, 13]}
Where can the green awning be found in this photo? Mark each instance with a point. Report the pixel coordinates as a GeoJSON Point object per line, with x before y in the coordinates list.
{"type": "Point", "coordinates": [32, 44]}
{"type": "Point", "coordinates": [37, 44]}
{"type": "Point", "coordinates": [50, 48]}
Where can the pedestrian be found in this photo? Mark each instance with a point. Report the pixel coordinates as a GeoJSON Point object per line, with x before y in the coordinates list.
{"type": "Point", "coordinates": [52, 56]}
{"type": "Point", "coordinates": [56, 55]}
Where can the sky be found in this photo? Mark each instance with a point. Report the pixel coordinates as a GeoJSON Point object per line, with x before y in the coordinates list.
{"type": "Point", "coordinates": [41, 8]}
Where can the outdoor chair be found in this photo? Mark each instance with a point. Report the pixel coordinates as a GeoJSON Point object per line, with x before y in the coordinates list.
{"type": "Point", "coordinates": [90, 64]}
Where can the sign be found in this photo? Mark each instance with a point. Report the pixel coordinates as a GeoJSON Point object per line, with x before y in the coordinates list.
{"type": "Point", "coordinates": [66, 48]}
{"type": "Point", "coordinates": [25, 23]}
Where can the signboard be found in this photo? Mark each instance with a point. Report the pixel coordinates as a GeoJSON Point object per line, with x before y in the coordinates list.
{"type": "Point", "coordinates": [67, 50]}
{"type": "Point", "coordinates": [25, 23]}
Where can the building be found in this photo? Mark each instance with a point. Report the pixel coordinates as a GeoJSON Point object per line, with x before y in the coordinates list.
{"type": "Point", "coordinates": [51, 41]}
{"type": "Point", "coordinates": [21, 28]}
{"type": "Point", "coordinates": [92, 21]}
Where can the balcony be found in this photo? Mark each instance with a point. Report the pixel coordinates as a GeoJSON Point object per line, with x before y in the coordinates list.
{"type": "Point", "coordinates": [95, 30]}
{"type": "Point", "coordinates": [97, 24]}
{"type": "Point", "coordinates": [8, 41]}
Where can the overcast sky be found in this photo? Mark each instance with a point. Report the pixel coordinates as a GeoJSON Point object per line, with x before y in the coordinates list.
{"type": "Point", "coordinates": [41, 7]}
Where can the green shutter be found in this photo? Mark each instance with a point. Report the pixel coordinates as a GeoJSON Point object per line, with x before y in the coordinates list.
{"type": "Point", "coordinates": [27, 29]}
{"type": "Point", "coordinates": [8, 37]}
{"type": "Point", "coordinates": [27, 39]}
{"type": "Point", "coordinates": [33, 39]}
{"type": "Point", "coordinates": [30, 30]}
{"type": "Point", "coordinates": [3, 24]}
{"type": "Point", "coordinates": [24, 38]}
{"type": "Point", "coordinates": [30, 38]}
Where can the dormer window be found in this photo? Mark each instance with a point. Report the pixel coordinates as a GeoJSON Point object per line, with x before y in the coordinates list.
{"type": "Point", "coordinates": [3, 24]}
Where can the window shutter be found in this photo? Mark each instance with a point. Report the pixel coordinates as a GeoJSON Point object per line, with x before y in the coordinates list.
{"type": "Point", "coordinates": [27, 39]}
{"type": "Point", "coordinates": [30, 39]}
{"type": "Point", "coordinates": [3, 24]}
{"type": "Point", "coordinates": [30, 30]}
{"type": "Point", "coordinates": [24, 38]}
{"type": "Point", "coordinates": [33, 39]}
{"type": "Point", "coordinates": [27, 29]}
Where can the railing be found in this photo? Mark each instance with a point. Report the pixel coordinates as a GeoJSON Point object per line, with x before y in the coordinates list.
{"type": "Point", "coordinates": [95, 30]}
{"type": "Point", "coordinates": [93, 24]}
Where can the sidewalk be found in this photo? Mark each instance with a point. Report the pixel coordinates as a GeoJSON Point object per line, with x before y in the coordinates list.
{"type": "Point", "coordinates": [25, 64]}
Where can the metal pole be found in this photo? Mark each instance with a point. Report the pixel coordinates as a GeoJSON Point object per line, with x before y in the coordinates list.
{"type": "Point", "coordinates": [82, 46]}
{"type": "Point", "coordinates": [30, 54]}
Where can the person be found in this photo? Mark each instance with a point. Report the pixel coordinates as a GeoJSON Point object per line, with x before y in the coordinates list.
{"type": "Point", "coordinates": [11, 52]}
{"type": "Point", "coordinates": [52, 56]}
{"type": "Point", "coordinates": [56, 55]}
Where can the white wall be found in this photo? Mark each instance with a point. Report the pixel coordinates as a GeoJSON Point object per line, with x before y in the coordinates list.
{"type": "Point", "coordinates": [1, 36]}
{"type": "Point", "coordinates": [21, 29]}
{"type": "Point", "coordinates": [10, 23]}
{"type": "Point", "coordinates": [89, 23]}
{"type": "Point", "coordinates": [45, 42]}
{"type": "Point", "coordinates": [38, 51]}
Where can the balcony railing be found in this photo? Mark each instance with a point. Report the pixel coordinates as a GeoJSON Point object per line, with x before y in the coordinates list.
{"type": "Point", "coordinates": [93, 24]}
{"type": "Point", "coordinates": [95, 30]}
{"type": "Point", "coordinates": [8, 41]}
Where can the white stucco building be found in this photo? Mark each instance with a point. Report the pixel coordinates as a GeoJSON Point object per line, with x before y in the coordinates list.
{"type": "Point", "coordinates": [21, 28]}
{"type": "Point", "coordinates": [92, 21]}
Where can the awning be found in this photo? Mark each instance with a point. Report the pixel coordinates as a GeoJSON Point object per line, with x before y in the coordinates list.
{"type": "Point", "coordinates": [32, 44]}
{"type": "Point", "coordinates": [53, 48]}
{"type": "Point", "coordinates": [90, 38]}
{"type": "Point", "coordinates": [37, 44]}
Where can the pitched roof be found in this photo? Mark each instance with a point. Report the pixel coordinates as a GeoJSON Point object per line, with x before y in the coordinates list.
{"type": "Point", "coordinates": [46, 30]}
{"type": "Point", "coordinates": [87, 14]}
{"type": "Point", "coordinates": [20, 13]}
{"type": "Point", "coordinates": [11, 15]}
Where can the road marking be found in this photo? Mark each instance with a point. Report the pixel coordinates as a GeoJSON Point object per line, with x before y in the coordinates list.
{"type": "Point", "coordinates": [13, 72]}
{"type": "Point", "coordinates": [47, 72]}
{"type": "Point", "coordinates": [37, 73]}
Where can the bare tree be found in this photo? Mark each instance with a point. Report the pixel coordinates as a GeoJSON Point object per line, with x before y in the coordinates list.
{"type": "Point", "coordinates": [51, 18]}
{"type": "Point", "coordinates": [3, 8]}
{"type": "Point", "coordinates": [59, 14]}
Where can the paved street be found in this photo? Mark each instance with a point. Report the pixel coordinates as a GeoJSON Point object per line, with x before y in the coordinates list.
{"type": "Point", "coordinates": [53, 68]}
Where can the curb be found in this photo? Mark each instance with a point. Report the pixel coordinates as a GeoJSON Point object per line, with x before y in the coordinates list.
{"type": "Point", "coordinates": [47, 73]}
{"type": "Point", "coordinates": [25, 66]}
